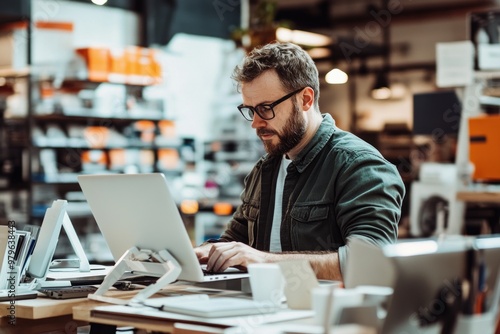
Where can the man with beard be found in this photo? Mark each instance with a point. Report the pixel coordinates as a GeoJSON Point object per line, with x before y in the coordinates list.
{"type": "Point", "coordinates": [316, 188]}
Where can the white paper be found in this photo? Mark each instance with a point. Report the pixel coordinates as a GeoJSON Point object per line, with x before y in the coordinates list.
{"type": "Point", "coordinates": [454, 64]}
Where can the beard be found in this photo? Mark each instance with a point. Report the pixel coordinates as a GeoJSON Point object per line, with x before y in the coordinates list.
{"type": "Point", "coordinates": [293, 132]}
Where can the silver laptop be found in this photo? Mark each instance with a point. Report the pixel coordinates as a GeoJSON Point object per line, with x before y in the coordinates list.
{"type": "Point", "coordinates": [139, 210]}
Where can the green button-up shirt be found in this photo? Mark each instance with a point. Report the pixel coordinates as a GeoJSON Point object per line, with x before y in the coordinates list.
{"type": "Point", "coordinates": [338, 187]}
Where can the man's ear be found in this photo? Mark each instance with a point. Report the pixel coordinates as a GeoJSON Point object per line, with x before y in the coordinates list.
{"type": "Point", "coordinates": [307, 98]}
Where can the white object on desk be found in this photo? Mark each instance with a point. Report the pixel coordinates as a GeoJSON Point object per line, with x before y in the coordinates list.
{"type": "Point", "coordinates": [267, 282]}
{"type": "Point", "coordinates": [75, 243]}
{"type": "Point", "coordinates": [47, 240]}
{"type": "Point", "coordinates": [206, 307]}
{"type": "Point", "coordinates": [55, 218]}
{"type": "Point", "coordinates": [248, 321]}
{"type": "Point", "coordinates": [134, 260]}
{"type": "Point", "coordinates": [339, 298]}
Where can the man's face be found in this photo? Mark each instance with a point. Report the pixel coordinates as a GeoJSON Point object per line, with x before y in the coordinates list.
{"type": "Point", "coordinates": [287, 128]}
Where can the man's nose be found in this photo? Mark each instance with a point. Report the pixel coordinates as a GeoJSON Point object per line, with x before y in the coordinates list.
{"type": "Point", "coordinates": [257, 121]}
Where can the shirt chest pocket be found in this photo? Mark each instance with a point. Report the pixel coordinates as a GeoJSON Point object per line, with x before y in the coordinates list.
{"type": "Point", "coordinates": [309, 213]}
{"type": "Point", "coordinates": [311, 228]}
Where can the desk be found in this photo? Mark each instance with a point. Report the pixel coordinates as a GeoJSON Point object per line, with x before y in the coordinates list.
{"type": "Point", "coordinates": [46, 315]}
{"type": "Point", "coordinates": [301, 325]}
{"type": "Point", "coordinates": [84, 313]}
{"type": "Point", "coordinates": [155, 320]}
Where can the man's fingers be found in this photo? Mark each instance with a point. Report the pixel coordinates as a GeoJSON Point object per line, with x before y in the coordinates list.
{"type": "Point", "coordinates": [226, 260]}
{"type": "Point", "coordinates": [218, 255]}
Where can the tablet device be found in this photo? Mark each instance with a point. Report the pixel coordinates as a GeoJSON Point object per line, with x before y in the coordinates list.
{"type": "Point", "coordinates": [47, 239]}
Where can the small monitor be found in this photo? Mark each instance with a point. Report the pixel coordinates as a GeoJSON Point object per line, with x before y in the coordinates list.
{"type": "Point", "coordinates": [47, 240]}
{"type": "Point", "coordinates": [429, 278]}
{"type": "Point", "coordinates": [436, 113]}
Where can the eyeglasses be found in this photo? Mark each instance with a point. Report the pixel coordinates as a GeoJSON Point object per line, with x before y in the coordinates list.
{"type": "Point", "coordinates": [264, 110]}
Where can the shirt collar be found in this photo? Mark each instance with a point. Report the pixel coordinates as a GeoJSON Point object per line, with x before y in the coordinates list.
{"type": "Point", "coordinates": [312, 149]}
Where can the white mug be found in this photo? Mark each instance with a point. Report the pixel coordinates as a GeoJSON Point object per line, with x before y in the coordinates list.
{"type": "Point", "coordinates": [267, 282]}
{"type": "Point", "coordinates": [338, 297]}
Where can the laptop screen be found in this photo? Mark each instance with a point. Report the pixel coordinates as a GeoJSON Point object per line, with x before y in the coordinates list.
{"type": "Point", "coordinates": [139, 210]}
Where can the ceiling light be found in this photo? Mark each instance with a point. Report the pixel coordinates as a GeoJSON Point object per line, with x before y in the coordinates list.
{"type": "Point", "coordinates": [99, 2]}
{"type": "Point", "coordinates": [302, 37]}
{"type": "Point", "coordinates": [381, 89]}
{"type": "Point", "coordinates": [336, 77]}
{"type": "Point", "coordinates": [319, 53]}
{"type": "Point", "coordinates": [398, 90]}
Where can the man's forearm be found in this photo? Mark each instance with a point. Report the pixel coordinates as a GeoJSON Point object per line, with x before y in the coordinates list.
{"type": "Point", "coordinates": [325, 265]}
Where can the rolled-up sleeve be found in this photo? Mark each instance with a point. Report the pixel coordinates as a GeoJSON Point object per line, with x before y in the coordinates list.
{"type": "Point", "coordinates": [369, 197]}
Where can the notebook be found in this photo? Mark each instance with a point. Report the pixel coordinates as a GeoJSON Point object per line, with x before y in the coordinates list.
{"type": "Point", "coordinates": [139, 210]}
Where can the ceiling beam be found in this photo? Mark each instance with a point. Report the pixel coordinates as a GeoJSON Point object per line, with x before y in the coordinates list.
{"type": "Point", "coordinates": [323, 16]}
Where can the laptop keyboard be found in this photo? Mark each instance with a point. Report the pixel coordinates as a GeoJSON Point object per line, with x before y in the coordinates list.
{"type": "Point", "coordinates": [228, 271]}
{"type": "Point", "coordinates": [209, 273]}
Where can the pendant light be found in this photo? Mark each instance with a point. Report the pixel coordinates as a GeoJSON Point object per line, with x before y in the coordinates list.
{"type": "Point", "coordinates": [336, 77]}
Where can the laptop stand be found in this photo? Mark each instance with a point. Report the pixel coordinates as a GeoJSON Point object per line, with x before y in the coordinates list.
{"type": "Point", "coordinates": [160, 263]}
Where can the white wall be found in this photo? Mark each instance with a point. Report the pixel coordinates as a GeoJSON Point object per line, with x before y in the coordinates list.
{"type": "Point", "coordinates": [199, 90]}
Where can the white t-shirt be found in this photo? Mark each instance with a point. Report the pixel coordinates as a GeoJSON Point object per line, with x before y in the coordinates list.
{"type": "Point", "coordinates": [275, 242]}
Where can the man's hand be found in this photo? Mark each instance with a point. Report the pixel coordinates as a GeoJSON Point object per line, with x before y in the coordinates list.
{"type": "Point", "coordinates": [202, 252]}
{"type": "Point", "coordinates": [223, 255]}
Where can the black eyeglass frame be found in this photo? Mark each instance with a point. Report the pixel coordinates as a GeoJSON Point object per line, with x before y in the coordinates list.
{"type": "Point", "coordinates": [270, 106]}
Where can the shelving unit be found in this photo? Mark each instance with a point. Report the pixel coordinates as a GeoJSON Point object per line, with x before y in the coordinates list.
{"type": "Point", "coordinates": [467, 192]}
{"type": "Point", "coordinates": [56, 161]}
{"type": "Point", "coordinates": [14, 189]}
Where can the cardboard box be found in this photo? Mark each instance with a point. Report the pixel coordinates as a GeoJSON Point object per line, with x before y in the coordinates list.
{"type": "Point", "coordinates": [97, 61]}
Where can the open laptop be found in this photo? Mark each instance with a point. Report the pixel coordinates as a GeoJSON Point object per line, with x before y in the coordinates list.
{"type": "Point", "coordinates": [139, 210]}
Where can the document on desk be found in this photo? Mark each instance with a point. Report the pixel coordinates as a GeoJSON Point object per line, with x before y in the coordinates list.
{"type": "Point", "coordinates": [145, 313]}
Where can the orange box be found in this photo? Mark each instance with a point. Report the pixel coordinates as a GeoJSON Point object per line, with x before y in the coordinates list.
{"type": "Point", "coordinates": [117, 66]}
{"type": "Point", "coordinates": [141, 65]}
{"type": "Point", "coordinates": [131, 62]}
{"type": "Point", "coordinates": [97, 60]}
{"type": "Point", "coordinates": [484, 147]}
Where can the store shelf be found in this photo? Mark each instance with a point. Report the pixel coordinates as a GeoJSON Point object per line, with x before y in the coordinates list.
{"type": "Point", "coordinates": [91, 116]}
{"type": "Point", "coordinates": [481, 196]}
{"type": "Point", "coordinates": [487, 74]}
{"type": "Point", "coordinates": [53, 142]}
{"type": "Point", "coordinates": [10, 73]}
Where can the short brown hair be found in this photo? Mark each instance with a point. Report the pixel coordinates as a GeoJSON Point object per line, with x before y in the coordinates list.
{"type": "Point", "coordinates": [294, 66]}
